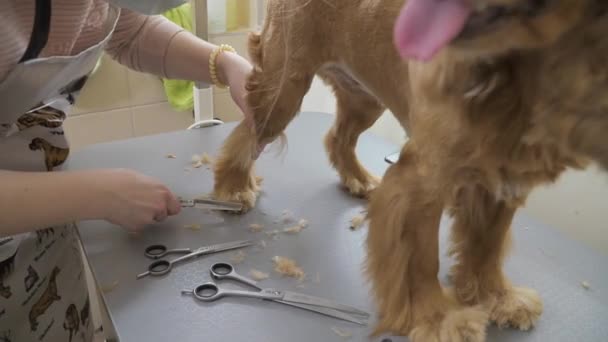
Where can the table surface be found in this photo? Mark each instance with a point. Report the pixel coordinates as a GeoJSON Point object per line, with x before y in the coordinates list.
{"type": "Point", "coordinates": [302, 182]}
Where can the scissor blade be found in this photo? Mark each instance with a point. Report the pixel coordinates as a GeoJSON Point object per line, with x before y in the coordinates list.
{"type": "Point", "coordinates": [322, 302]}
{"type": "Point", "coordinates": [186, 203]}
{"type": "Point", "coordinates": [202, 203]}
{"type": "Point", "coordinates": [224, 247]}
{"type": "Point", "coordinates": [325, 311]}
{"type": "Point", "coordinates": [141, 275]}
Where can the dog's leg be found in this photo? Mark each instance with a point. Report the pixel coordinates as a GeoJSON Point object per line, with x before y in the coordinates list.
{"type": "Point", "coordinates": [403, 262]}
{"type": "Point", "coordinates": [275, 88]}
{"type": "Point", "coordinates": [234, 177]}
{"type": "Point", "coordinates": [481, 236]}
{"type": "Point", "coordinates": [357, 111]}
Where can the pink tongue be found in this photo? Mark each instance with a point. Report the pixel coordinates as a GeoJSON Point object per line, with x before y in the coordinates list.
{"type": "Point", "coordinates": [426, 26]}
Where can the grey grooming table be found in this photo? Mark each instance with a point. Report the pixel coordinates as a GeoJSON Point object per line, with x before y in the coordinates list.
{"type": "Point", "coordinates": [152, 309]}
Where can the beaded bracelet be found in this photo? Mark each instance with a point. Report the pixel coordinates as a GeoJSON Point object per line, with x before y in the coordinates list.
{"type": "Point", "coordinates": [212, 66]}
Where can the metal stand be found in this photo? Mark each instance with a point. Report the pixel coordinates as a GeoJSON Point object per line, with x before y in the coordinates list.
{"type": "Point", "coordinates": [205, 123]}
{"type": "Point", "coordinates": [203, 93]}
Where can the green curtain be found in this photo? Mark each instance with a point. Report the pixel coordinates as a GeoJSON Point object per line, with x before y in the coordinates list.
{"type": "Point", "coordinates": [179, 92]}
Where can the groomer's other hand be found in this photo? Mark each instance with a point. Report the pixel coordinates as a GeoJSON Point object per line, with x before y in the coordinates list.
{"type": "Point", "coordinates": [133, 200]}
{"type": "Point", "coordinates": [233, 71]}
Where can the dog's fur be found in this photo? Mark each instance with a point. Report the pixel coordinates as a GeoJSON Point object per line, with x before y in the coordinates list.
{"type": "Point", "coordinates": [492, 116]}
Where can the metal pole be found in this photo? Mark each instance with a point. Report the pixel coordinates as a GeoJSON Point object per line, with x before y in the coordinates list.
{"type": "Point", "coordinates": [201, 26]}
{"type": "Point", "coordinates": [203, 93]}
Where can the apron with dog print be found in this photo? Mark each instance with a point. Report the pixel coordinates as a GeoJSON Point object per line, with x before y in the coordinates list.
{"type": "Point", "coordinates": [43, 291]}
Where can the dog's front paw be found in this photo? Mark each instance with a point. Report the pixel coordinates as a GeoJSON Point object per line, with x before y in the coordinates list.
{"type": "Point", "coordinates": [246, 195]}
{"type": "Point", "coordinates": [518, 307]}
{"type": "Point", "coordinates": [457, 325]}
{"type": "Point", "coordinates": [361, 186]}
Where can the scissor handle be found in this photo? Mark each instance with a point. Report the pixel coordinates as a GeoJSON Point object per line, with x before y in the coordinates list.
{"type": "Point", "coordinates": [223, 271]}
{"type": "Point", "coordinates": [210, 292]}
{"type": "Point", "coordinates": [159, 251]}
{"type": "Point", "coordinates": [160, 267]}
{"type": "Point", "coordinates": [156, 251]}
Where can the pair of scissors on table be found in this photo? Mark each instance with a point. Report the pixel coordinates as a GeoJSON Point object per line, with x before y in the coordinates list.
{"type": "Point", "coordinates": [210, 292]}
{"type": "Point", "coordinates": [161, 267]}
{"type": "Point", "coordinates": [211, 204]}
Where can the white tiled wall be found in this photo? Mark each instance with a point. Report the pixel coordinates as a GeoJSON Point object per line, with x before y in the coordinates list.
{"type": "Point", "coordinates": [117, 103]}
{"type": "Point", "coordinates": [97, 127]}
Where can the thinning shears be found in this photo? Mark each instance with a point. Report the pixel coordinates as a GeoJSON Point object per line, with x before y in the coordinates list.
{"type": "Point", "coordinates": [161, 267]}
{"type": "Point", "coordinates": [210, 292]}
{"type": "Point", "coordinates": [211, 204]}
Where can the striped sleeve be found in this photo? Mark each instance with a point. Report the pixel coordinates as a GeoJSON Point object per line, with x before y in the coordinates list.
{"type": "Point", "coordinates": [141, 42]}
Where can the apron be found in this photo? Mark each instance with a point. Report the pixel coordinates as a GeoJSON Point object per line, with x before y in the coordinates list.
{"type": "Point", "coordinates": [43, 291]}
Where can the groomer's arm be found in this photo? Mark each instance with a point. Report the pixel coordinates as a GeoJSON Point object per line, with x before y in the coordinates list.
{"type": "Point", "coordinates": [155, 45]}
{"type": "Point", "coordinates": [35, 200]}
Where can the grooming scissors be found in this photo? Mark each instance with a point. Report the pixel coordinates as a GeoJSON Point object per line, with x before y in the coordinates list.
{"type": "Point", "coordinates": [210, 204]}
{"type": "Point", "coordinates": [210, 292]}
{"type": "Point", "coordinates": [161, 267]}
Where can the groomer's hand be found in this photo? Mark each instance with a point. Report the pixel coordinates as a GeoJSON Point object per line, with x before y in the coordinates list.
{"type": "Point", "coordinates": [133, 200]}
{"type": "Point", "coordinates": [233, 71]}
